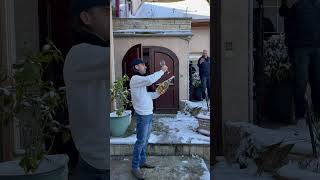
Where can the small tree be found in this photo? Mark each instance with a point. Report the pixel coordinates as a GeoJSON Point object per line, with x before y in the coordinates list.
{"type": "Point", "coordinates": [120, 94]}
{"type": "Point", "coordinates": [29, 94]}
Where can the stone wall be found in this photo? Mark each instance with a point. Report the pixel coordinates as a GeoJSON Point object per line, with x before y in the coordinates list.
{"type": "Point", "coordinates": [152, 24]}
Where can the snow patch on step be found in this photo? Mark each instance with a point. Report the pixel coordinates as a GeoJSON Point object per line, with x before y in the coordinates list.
{"type": "Point", "coordinates": [206, 172]}
{"type": "Point", "coordinates": [190, 104]}
{"type": "Point", "coordinates": [179, 130]}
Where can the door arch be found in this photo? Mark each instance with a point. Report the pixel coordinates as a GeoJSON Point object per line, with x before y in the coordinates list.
{"type": "Point", "coordinates": [152, 55]}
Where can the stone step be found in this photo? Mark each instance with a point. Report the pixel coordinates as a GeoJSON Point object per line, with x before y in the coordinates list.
{"type": "Point", "coordinates": [167, 167]}
{"type": "Point", "coordinates": [202, 150]}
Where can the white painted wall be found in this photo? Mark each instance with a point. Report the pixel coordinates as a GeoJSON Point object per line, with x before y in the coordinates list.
{"type": "Point", "coordinates": [200, 39]}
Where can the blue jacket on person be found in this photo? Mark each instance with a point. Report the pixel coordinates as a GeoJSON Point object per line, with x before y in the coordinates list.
{"type": "Point", "coordinates": [204, 68]}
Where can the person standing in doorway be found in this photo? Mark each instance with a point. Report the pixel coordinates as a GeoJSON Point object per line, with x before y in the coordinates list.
{"type": "Point", "coordinates": [143, 106]}
{"type": "Point", "coordinates": [304, 43]}
{"type": "Point", "coordinates": [204, 72]}
{"type": "Point", "coordinates": [86, 76]}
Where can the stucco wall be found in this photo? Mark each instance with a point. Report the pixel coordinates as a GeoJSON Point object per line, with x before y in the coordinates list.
{"type": "Point", "coordinates": [135, 5]}
{"type": "Point", "coordinates": [235, 67]}
{"type": "Point", "coordinates": [200, 39]}
{"type": "Point", "coordinates": [179, 46]}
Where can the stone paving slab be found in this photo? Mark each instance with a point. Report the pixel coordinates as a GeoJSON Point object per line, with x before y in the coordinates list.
{"type": "Point", "coordinates": [167, 168]}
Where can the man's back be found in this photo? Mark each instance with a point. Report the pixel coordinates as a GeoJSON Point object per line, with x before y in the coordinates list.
{"type": "Point", "coordinates": [85, 75]}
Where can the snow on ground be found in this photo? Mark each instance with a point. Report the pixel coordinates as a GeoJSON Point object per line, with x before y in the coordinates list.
{"type": "Point", "coordinates": [292, 170]}
{"type": "Point", "coordinates": [223, 170]}
{"type": "Point", "coordinates": [204, 115]}
{"type": "Point", "coordinates": [206, 174]}
{"type": "Point", "coordinates": [202, 104]}
{"type": "Point", "coordinates": [178, 130]}
{"type": "Point", "coordinates": [196, 9]}
{"type": "Point", "coordinates": [289, 134]}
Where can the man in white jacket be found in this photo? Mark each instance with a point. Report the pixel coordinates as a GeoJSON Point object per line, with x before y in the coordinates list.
{"type": "Point", "coordinates": [86, 75]}
{"type": "Point", "coordinates": [143, 106]}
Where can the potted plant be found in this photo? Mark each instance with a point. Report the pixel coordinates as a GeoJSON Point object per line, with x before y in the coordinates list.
{"type": "Point", "coordinates": [120, 119]}
{"type": "Point", "coordinates": [196, 84]}
{"type": "Point", "coordinates": [278, 75]}
{"type": "Point", "coordinates": [32, 102]}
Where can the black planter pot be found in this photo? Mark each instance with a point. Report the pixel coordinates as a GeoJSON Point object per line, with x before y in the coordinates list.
{"type": "Point", "coordinates": [197, 93]}
{"type": "Point", "coordinates": [280, 102]}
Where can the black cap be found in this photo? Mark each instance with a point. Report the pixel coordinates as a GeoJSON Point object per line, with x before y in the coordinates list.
{"type": "Point", "coordinates": [137, 62]}
{"type": "Point", "coordinates": [82, 5]}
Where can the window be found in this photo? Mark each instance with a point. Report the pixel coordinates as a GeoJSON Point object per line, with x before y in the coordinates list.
{"type": "Point", "coordinates": [272, 17]}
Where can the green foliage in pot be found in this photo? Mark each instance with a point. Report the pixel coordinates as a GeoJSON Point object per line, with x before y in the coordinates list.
{"type": "Point", "coordinates": [277, 66]}
{"type": "Point", "coordinates": [28, 94]}
{"type": "Point", "coordinates": [120, 94]}
{"type": "Point", "coordinates": [196, 82]}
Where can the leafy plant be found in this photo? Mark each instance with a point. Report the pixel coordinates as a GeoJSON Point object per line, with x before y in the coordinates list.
{"type": "Point", "coordinates": [196, 82]}
{"type": "Point", "coordinates": [120, 94]}
{"type": "Point", "coordinates": [277, 66]}
{"type": "Point", "coordinates": [28, 95]}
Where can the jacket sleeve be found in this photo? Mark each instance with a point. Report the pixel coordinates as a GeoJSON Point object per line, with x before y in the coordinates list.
{"type": "Point", "coordinates": [154, 95]}
{"type": "Point", "coordinates": [199, 61]}
{"type": "Point", "coordinates": [144, 81]}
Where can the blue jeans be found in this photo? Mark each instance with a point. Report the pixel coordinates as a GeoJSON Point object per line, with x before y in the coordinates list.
{"type": "Point", "coordinates": [205, 83]}
{"type": "Point", "coordinates": [87, 172]}
{"type": "Point", "coordinates": [306, 63]}
{"type": "Point", "coordinates": [144, 126]}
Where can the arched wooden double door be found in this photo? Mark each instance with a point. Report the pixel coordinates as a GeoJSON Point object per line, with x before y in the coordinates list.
{"type": "Point", "coordinates": [152, 55]}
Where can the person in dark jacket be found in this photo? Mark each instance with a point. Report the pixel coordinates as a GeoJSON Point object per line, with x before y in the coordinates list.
{"type": "Point", "coordinates": [303, 39]}
{"type": "Point", "coordinates": [204, 72]}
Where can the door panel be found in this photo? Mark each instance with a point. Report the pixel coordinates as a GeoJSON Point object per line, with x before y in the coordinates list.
{"type": "Point", "coordinates": [133, 53]}
{"type": "Point", "coordinates": [168, 102]}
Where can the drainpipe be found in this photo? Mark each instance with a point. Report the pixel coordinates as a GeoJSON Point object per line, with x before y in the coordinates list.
{"type": "Point", "coordinates": [250, 65]}
{"type": "Point", "coordinates": [117, 8]}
